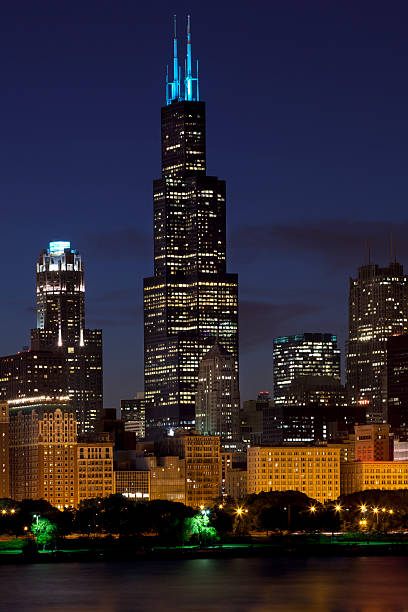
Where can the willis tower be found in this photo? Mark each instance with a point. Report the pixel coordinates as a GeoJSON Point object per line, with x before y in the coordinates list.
{"type": "Point", "coordinates": [191, 301]}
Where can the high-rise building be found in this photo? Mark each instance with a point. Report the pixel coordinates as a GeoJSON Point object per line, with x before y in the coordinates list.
{"type": "Point", "coordinates": [217, 407]}
{"type": "Point", "coordinates": [133, 414]}
{"type": "Point", "coordinates": [252, 417]}
{"type": "Point", "coordinates": [378, 309]}
{"type": "Point", "coordinates": [4, 451]}
{"type": "Point", "coordinates": [61, 329]}
{"type": "Point", "coordinates": [191, 299]}
{"type": "Point", "coordinates": [397, 383]}
{"type": "Point", "coordinates": [32, 374]}
{"type": "Point", "coordinates": [303, 355]}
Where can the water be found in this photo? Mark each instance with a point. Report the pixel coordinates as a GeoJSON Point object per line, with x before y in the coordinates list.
{"type": "Point", "coordinates": [356, 584]}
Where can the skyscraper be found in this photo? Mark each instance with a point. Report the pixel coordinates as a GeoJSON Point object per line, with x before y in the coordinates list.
{"type": "Point", "coordinates": [217, 399]}
{"type": "Point", "coordinates": [397, 384]}
{"type": "Point", "coordinates": [311, 355]}
{"type": "Point", "coordinates": [191, 299]}
{"type": "Point", "coordinates": [61, 329]}
{"type": "Point", "coordinates": [378, 308]}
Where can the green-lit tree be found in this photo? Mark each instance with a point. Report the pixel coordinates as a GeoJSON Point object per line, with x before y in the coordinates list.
{"type": "Point", "coordinates": [198, 528]}
{"type": "Point", "coordinates": [45, 533]}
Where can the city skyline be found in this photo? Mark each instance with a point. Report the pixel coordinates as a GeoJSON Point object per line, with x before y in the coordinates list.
{"type": "Point", "coordinates": [285, 286]}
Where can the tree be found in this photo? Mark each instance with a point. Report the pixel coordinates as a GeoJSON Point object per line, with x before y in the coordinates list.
{"type": "Point", "coordinates": [45, 532]}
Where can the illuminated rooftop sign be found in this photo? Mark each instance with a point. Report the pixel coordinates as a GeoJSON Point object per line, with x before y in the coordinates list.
{"type": "Point", "coordinates": [59, 246]}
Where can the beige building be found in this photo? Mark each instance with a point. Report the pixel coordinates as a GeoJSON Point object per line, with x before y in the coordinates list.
{"type": "Point", "coordinates": [236, 483]}
{"type": "Point", "coordinates": [43, 451]}
{"type": "Point", "coordinates": [365, 475]}
{"type": "Point", "coordinates": [313, 470]}
{"type": "Point", "coordinates": [134, 484]}
{"type": "Point", "coordinates": [95, 470]}
{"type": "Point", "coordinates": [202, 456]}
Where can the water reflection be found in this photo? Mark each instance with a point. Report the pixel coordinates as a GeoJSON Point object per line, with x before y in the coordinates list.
{"type": "Point", "coordinates": [371, 584]}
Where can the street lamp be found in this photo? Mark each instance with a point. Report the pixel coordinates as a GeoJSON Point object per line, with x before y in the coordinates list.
{"type": "Point", "coordinates": [363, 508]}
{"type": "Point", "coordinates": [338, 508]}
{"type": "Point", "coordinates": [312, 509]}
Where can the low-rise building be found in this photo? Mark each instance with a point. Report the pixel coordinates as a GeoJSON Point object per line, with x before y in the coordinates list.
{"type": "Point", "coordinates": [95, 470]}
{"type": "Point", "coordinates": [313, 470]}
{"type": "Point", "coordinates": [365, 475]}
{"type": "Point", "coordinates": [372, 442]}
{"type": "Point", "coordinates": [134, 484]}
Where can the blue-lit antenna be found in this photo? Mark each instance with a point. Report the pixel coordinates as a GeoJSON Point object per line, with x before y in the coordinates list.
{"type": "Point", "coordinates": [173, 87]}
{"type": "Point", "coordinates": [189, 80]}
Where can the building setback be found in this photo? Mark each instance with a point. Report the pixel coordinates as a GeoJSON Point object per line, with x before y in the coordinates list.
{"type": "Point", "coordinates": [378, 309]}
{"type": "Point", "coordinates": [191, 299]}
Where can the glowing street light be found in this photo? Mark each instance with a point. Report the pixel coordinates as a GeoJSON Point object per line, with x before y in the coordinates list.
{"type": "Point", "coordinates": [363, 523]}
{"type": "Point", "coordinates": [337, 508]}
{"type": "Point", "coordinates": [363, 508]}
{"type": "Point", "coordinates": [312, 509]}
{"type": "Point", "coordinates": [391, 511]}
{"type": "Point", "coordinates": [239, 511]}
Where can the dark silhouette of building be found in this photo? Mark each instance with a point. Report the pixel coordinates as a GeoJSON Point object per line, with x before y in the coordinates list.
{"type": "Point", "coordinates": [397, 384]}
{"type": "Point", "coordinates": [191, 300]}
{"type": "Point", "coordinates": [378, 309]}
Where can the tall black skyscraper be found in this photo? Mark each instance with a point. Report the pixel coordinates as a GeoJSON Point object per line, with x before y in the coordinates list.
{"type": "Point", "coordinates": [191, 299]}
{"type": "Point", "coordinates": [378, 309]}
{"type": "Point", "coordinates": [61, 329]}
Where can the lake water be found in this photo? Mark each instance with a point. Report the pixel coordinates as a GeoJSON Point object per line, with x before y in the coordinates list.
{"type": "Point", "coordinates": [356, 584]}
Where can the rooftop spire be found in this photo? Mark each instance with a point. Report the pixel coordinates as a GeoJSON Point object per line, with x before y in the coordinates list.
{"type": "Point", "coordinates": [173, 87]}
{"type": "Point", "coordinates": [189, 80]}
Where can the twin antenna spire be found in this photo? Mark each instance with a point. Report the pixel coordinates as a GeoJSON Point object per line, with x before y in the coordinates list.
{"type": "Point", "coordinates": [173, 88]}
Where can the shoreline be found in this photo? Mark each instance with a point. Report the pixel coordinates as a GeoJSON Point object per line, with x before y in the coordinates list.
{"type": "Point", "coordinates": [226, 551]}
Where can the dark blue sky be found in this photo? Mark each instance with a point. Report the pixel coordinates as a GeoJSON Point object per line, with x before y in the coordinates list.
{"type": "Point", "coordinates": [307, 121]}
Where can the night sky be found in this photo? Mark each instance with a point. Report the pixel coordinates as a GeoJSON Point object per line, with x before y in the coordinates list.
{"type": "Point", "coordinates": [307, 122]}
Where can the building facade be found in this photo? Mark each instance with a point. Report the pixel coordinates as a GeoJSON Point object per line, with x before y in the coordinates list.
{"type": "Point", "coordinates": [314, 471]}
{"type": "Point", "coordinates": [95, 470]}
{"type": "Point", "coordinates": [133, 414]}
{"type": "Point", "coordinates": [43, 451]}
{"type": "Point", "coordinates": [191, 299]}
{"type": "Point", "coordinates": [397, 384]}
{"type": "Point", "coordinates": [303, 355]}
{"type": "Point", "coordinates": [217, 404]}
{"type": "Point", "coordinates": [372, 442]}
{"type": "Point", "coordinates": [133, 484]}
{"type": "Point", "coordinates": [366, 475]}
{"type": "Point", "coordinates": [4, 451]}
{"type": "Point", "coordinates": [378, 309]}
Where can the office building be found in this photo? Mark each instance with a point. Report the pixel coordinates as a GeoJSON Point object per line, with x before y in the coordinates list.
{"type": "Point", "coordinates": [191, 300]}
{"type": "Point", "coordinates": [61, 328]}
{"type": "Point", "coordinates": [400, 449]}
{"type": "Point", "coordinates": [372, 442]}
{"type": "Point", "coordinates": [303, 355]}
{"type": "Point", "coordinates": [397, 383]}
{"type": "Point", "coordinates": [378, 309]}
{"type": "Point", "coordinates": [368, 475]}
{"type": "Point", "coordinates": [252, 418]}
{"type": "Point", "coordinates": [314, 471]}
{"type": "Point", "coordinates": [133, 484]}
{"type": "Point", "coordinates": [32, 374]}
{"type": "Point", "coordinates": [94, 469]}
{"type": "Point", "coordinates": [43, 451]}
{"type": "Point", "coordinates": [217, 404]}
{"type": "Point", "coordinates": [309, 423]}
{"type": "Point", "coordinates": [4, 451]}
{"type": "Point", "coordinates": [133, 414]}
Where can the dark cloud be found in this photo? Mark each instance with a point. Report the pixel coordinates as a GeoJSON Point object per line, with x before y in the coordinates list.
{"type": "Point", "coordinates": [128, 242]}
{"type": "Point", "coordinates": [260, 322]}
{"type": "Point", "coordinates": [340, 243]}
